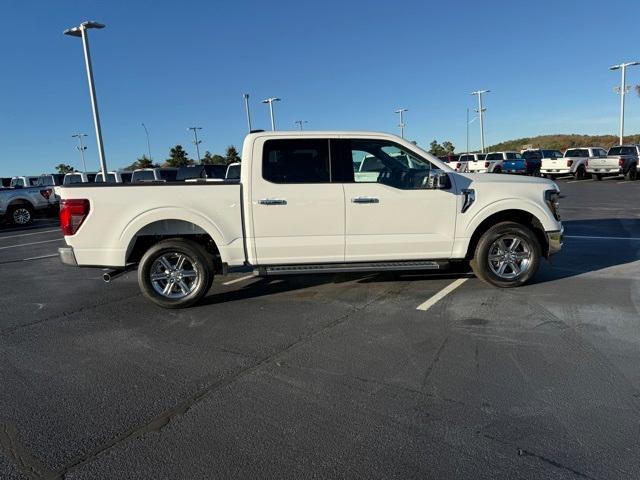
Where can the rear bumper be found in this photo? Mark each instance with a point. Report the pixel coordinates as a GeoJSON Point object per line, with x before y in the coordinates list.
{"type": "Point", "coordinates": [67, 257]}
{"type": "Point", "coordinates": [554, 240]}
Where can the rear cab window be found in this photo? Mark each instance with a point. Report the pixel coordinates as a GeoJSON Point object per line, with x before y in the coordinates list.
{"type": "Point", "coordinates": [296, 161]}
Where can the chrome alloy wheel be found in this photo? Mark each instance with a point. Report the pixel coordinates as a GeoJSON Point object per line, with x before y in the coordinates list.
{"type": "Point", "coordinates": [21, 216]}
{"type": "Point", "coordinates": [174, 275]}
{"type": "Point", "coordinates": [510, 256]}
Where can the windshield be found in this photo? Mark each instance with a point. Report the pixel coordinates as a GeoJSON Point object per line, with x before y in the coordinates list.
{"type": "Point", "coordinates": [143, 176]}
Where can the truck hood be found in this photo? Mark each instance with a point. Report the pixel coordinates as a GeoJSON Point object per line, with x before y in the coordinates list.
{"type": "Point", "coordinates": [503, 178]}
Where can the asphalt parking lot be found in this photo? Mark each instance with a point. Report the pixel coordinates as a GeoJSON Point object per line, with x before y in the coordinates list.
{"type": "Point", "coordinates": [335, 376]}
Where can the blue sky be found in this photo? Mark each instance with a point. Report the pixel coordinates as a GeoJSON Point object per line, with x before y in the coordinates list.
{"type": "Point", "coordinates": [339, 65]}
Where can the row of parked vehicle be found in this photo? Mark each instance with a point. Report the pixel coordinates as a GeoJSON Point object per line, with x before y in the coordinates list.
{"type": "Point", "coordinates": [582, 162]}
{"type": "Point", "coordinates": [21, 197]}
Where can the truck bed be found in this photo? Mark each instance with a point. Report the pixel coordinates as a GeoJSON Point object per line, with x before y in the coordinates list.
{"type": "Point", "coordinates": [120, 212]}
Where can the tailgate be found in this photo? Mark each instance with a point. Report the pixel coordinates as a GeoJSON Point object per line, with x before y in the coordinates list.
{"type": "Point", "coordinates": [513, 165]}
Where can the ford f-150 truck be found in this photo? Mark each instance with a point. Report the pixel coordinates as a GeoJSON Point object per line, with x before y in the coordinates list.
{"type": "Point", "coordinates": [303, 206]}
{"type": "Point", "coordinates": [574, 162]}
{"type": "Point", "coordinates": [18, 205]}
{"type": "Point", "coordinates": [622, 160]}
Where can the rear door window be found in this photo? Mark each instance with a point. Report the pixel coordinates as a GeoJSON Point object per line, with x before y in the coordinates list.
{"type": "Point", "coordinates": [296, 161]}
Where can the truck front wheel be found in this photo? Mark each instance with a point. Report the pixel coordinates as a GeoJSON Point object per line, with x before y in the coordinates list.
{"type": "Point", "coordinates": [507, 255]}
{"type": "Point", "coordinates": [175, 273]}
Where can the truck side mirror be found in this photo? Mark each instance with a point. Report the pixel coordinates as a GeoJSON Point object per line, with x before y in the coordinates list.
{"type": "Point", "coordinates": [438, 180]}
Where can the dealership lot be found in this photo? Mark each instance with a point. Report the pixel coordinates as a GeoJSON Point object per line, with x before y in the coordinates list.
{"type": "Point", "coordinates": [330, 376]}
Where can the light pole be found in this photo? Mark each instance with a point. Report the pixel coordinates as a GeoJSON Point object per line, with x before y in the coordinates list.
{"type": "Point", "coordinates": [467, 130]}
{"type": "Point", "coordinates": [195, 140]}
{"type": "Point", "coordinates": [81, 31]}
{"type": "Point", "coordinates": [401, 111]}
{"type": "Point", "coordinates": [300, 123]}
{"type": "Point", "coordinates": [270, 101]}
{"type": "Point", "coordinates": [481, 114]}
{"type": "Point", "coordinates": [623, 91]}
{"type": "Point", "coordinates": [82, 148]}
{"type": "Point", "coordinates": [148, 142]}
{"type": "Point", "coordinates": [246, 109]}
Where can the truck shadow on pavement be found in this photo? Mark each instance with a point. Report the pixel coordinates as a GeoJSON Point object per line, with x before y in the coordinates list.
{"type": "Point", "coordinates": [617, 243]}
{"type": "Point", "coordinates": [592, 245]}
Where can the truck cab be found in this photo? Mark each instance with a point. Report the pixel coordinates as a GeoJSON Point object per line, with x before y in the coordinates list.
{"type": "Point", "coordinates": [494, 161]}
{"type": "Point", "coordinates": [472, 163]}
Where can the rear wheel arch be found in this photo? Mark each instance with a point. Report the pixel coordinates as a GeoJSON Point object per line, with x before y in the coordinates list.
{"type": "Point", "coordinates": [511, 215]}
{"type": "Point", "coordinates": [161, 230]}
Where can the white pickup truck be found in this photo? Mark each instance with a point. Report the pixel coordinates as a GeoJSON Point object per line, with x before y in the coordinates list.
{"type": "Point", "coordinates": [303, 206]}
{"type": "Point", "coordinates": [574, 162]}
{"type": "Point", "coordinates": [621, 160]}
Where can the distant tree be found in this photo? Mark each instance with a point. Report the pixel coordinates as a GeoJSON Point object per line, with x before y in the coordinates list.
{"type": "Point", "coordinates": [414, 142]}
{"type": "Point", "coordinates": [178, 157]}
{"type": "Point", "coordinates": [436, 149]}
{"type": "Point", "coordinates": [64, 168]}
{"type": "Point", "coordinates": [144, 162]}
{"type": "Point", "coordinates": [448, 148]}
{"type": "Point", "coordinates": [213, 159]}
{"type": "Point", "coordinates": [231, 155]}
{"type": "Point", "coordinates": [637, 87]}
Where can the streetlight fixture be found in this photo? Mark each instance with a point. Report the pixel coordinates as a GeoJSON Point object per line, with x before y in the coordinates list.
{"type": "Point", "coordinates": [401, 111]}
{"type": "Point", "coordinates": [300, 123]}
{"type": "Point", "coordinates": [246, 109]}
{"type": "Point", "coordinates": [148, 142]}
{"type": "Point", "coordinates": [623, 91]}
{"type": "Point", "coordinates": [82, 148]}
{"type": "Point", "coordinates": [270, 101]}
{"type": "Point", "coordinates": [195, 140]}
{"type": "Point", "coordinates": [481, 111]}
{"type": "Point", "coordinates": [81, 31]}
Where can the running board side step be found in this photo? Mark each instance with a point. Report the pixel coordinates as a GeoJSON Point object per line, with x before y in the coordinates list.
{"type": "Point", "coordinates": [351, 267]}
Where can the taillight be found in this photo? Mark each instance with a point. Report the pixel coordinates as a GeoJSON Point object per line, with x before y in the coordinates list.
{"type": "Point", "coordinates": [458, 165]}
{"type": "Point", "coordinates": [586, 163]}
{"type": "Point", "coordinates": [621, 163]}
{"type": "Point", "coordinates": [486, 164]}
{"type": "Point", "coordinates": [46, 193]}
{"type": "Point", "coordinates": [569, 163]}
{"type": "Point", "coordinates": [526, 164]}
{"type": "Point", "coordinates": [72, 214]}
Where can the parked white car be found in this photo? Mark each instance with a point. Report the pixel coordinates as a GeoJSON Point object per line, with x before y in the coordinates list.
{"type": "Point", "coordinates": [78, 177]}
{"type": "Point", "coordinates": [494, 160]}
{"type": "Point", "coordinates": [472, 163]}
{"type": "Point", "coordinates": [620, 160]}
{"type": "Point", "coordinates": [574, 162]}
{"type": "Point", "coordinates": [23, 181]}
{"type": "Point", "coordinates": [114, 177]}
{"type": "Point", "coordinates": [297, 209]}
{"type": "Point", "coordinates": [233, 171]}
{"type": "Point", "coordinates": [154, 175]}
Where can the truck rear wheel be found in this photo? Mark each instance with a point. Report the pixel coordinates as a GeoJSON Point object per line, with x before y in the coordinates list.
{"type": "Point", "coordinates": [632, 174]}
{"type": "Point", "coordinates": [175, 273]}
{"type": "Point", "coordinates": [21, 214]}
{"type": "Point", "coordinates": [507, 255]}
{"type": "Point", "coordinates": [581, 173]}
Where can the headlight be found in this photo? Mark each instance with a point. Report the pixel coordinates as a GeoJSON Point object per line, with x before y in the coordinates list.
{"type": "Point", "coordinates": [551, 197]}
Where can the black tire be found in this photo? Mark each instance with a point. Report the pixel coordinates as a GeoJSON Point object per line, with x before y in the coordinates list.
{"type": "Point", "coordinates": [21, 214]}
{"type": "Point", "coordinates": [529, 245]}
{"type": "Point", "coordinates": [196, 256]}
{"type": "Point", "coordinates": [597, 176]}
{"type": "Point", "coordinates": [497, 170]}
{"type": "Point", "coordinates": [536, 173]}
{"type": "Point", "coordinates": [632, 174]}
{"type": "Point", "coordinates": [581, 173]}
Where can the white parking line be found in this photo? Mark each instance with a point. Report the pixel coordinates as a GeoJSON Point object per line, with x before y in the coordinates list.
{"type": "Point", "coordinates": [441, 294]}
{"type": "Point", "coordinates": [32, 243]}
{"type": "Point", "coordinates": [40, 257]}
{"type": "Point", "coordinates": [29, 234]}
{"type": "Point", "coordinates": [601, 238]}
{"type": "Point", "coordinates": [238, 280]}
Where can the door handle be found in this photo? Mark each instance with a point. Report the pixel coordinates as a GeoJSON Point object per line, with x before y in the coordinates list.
{"type": "Point", "coordinates": [365, 200]}
{"type": "Point", "coordinates": [272, 201]}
